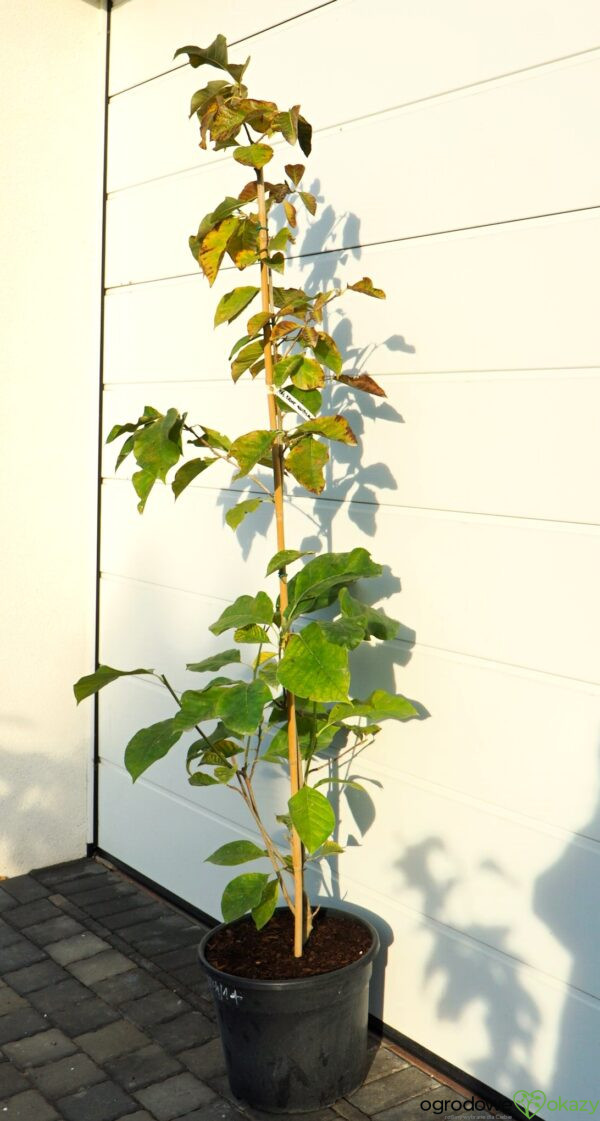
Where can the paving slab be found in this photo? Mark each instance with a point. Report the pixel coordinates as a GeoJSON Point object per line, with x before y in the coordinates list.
{"type": "Point", "coordinates": [81, 945]}
{"type": "Point", "coordinates": [88, 1015]}
{"type": "Point", "coordinates": [28, 1106]}
{"type": "Point", "coordinates": [115, 1039]}
{"type": "Point", "coordinates": [175, 1096]}
{"type": "Point", "coordinates": [104, 1102]}
{"type": "Point", "coordinates": [56, 1080]}
{"type": "Point", "coordinates": [40, 1049]}
{"type": "Point", "coordinates": [101, 966]}
{"type": "Point", "coordinates": [142, 1068]}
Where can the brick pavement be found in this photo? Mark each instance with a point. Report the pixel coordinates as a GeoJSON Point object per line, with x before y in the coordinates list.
{"type": "Point", "coordinates": [105, 1014]}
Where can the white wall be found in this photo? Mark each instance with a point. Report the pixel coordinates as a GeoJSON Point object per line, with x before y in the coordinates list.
{"type": "Point", "coordinates": [52, 63]}
{"type": "Point", "coordinates": [453, 146]}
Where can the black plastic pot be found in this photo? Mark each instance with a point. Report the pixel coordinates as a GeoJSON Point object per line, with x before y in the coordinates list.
{"type": "Point", "coordinates": [299, 1045]}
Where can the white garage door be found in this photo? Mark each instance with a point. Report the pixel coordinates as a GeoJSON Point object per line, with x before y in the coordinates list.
{"type": "Point", "coordinates": [456, 156]}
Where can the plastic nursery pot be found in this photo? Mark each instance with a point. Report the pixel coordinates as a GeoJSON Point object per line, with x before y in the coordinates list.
{"type": "Point", "coordinates": [297, 1045]}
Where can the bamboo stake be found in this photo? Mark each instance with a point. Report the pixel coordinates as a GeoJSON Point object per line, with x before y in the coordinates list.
{"type": "Point", "coordinates": [296, 777]}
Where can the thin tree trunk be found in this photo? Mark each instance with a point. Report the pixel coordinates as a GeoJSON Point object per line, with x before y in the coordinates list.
{"type": "Point", "coordinates": [296, 777]}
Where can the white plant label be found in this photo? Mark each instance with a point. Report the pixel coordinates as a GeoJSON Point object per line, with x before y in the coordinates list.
{"type": "Point", "coordinates": [294, 404]}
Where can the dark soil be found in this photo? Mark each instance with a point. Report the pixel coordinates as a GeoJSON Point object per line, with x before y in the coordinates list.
{"type": "Point", "coordinates": [268, 954]}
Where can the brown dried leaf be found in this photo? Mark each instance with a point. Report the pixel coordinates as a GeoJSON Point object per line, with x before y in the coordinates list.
{"type": "Point", "coordinates": [364, 382]}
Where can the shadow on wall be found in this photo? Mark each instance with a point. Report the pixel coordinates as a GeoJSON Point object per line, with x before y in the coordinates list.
{"type": "Point", "coordinates": [32, 804]}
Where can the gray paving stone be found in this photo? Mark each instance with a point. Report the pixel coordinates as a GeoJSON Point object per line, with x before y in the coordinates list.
{"type": "Point", "coordinates": [115, 1039]}
{"type": "Point", "coordinates": [8, 935]}
{"type": "Point", "coordinates": [71, 869]}
{"type": "Point", "coordinates": [52, 930]}
{"type": "Point", "coordinates": [77, 885]}
{"type": "Point", "coordinates": [104, 1102]}
{"type": "Point", "coordinates": [317, 1115]}
{"type": "Point", "coordinates": [10, 1001]}
{"type": "Point", "coordinates": [16, 1025]}
{"type": "Point", "coordinates": [155, 1008]}
{"type": "Point", "coordinates": [384, 1062]}
{"type": "Point", "coordinates": [101, 966]}
{"type": "Point", "coordinates": [205, 1062]}
{"type": "Point", "coordinates": [176, 959]}
{"type": "Point", "coordinates": [192, 977]}
{"type": "Point", "coordinates": [25, 889]}
{"type": "Point", "coordinates": [83, 944]}
{"type": "Point", "coordinates": [411, 1110]}
{"type": "Point", "coordinates": [85, 1016]}
{"type": "Point", "coordinates": [139, 1115]}
{"type": "Point", "coordinates": [35, 976]}
{"type": "Point", "coordinates": [106, 893]}
{"type": "Point", "coordinates": [56, 1080]}
{"type": "Point", "coordinates": [6, 900]}
{"type": "Point", "coordinates": [28, 1106]}
{"type": "Point", "coordinates": [19, 955]}
{"type": "Point", "coordinates": [392, 1090]}
{"type": "Point", "coordinates": [348, 1111]}
{"type": "Point", "coordinates": [26, 914]}
{"type": "Point", "coordinates": [169, 940]}
{"type": "Point", "coordinates": [11, 1081]}
{"type": "Point", "coordinates": [184, 1031]}
{"type": "Point", "coordinates": [175, 1096]}
{"type": "Point", "coordinates": [59, 996]}
{"type": "Point", "coordinates": [126, 986]}
{"type": "Point", "coordinates": [120, 920]}
{"type": "Point", "coordinates": [37, 1050]}
{"type": "Point", "coordinates": [219, 1110]}
{"type": "Point", "coordinates": [141, 1068]}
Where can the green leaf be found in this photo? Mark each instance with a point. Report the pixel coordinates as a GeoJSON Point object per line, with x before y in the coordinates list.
{"type": "Point", "coordinates": [233, 303]}
{"type": "Point", "coordinates": [120, 430]}
{"type": "Point", "coordinates": [257, 322]}
{"type": "Point", "coordinates": [312, 816]}
{"type": "Point", "coordinates": [366, 287]}
{"type": "Point", "coordinates": [375, 622]}
{"type": "Point", "coordinates": [304, 135]}
{"type": "Point", "coordinates": [241, 706]}
{"type": "Point", "coordinates": [249, 449]}
{"type": "Point", "coordinates": [286, 123]}
{"type": "Point", "coordinates": [242, 894]}
{"type": "Point", "coordinates": [308, 375]}
{"type": "Point", "coordinates": [313, 667]}
{"type": "Point", "coordinates": [379, 706]}
{"type": "Point", "coordinates": [332, 427]}
{"type": "Point", "coordinates": [318, 583]}
{"type": "Point", "coordinates": [245, 358]}
{"type": "Point", "coordinates": [158, 447]}
{"type": "Point", "coordinates": [340, 782]}
{"type": "Point", "coordinates": [104, 675]}
{"type": "Point", "coordinates": [216, 439]}
{"type": "Point", "coordinates": [236, 852]}
{"type": "Point", "coordinates": [251, 633]}
{"type": "Point", "coordinates": [197, 705]}
{"type": "Point", "coordinates": [253, 155]}
{"type": "Point", "coordinates": [309, 201]}
{"type": "Point", "coordinates": [214, 55]}
{"type": "Point", "coordinates": [201, 97]}
{"type": "Point", "coordinates": [264, 911]}
{"type": "Point", "coordinates": [188, 472]}
{"type": "Point", "coordinates": [344, 632]}
{"type": "Point", "coordinates": [215, 662]}
{"type": "Point", "coordinates": [200, 778]}
{"type": "Point", "coordinates": [330, 848]}
{"type": "Point", "coordinates": [306, 461]}
{"type": "Point", "coordinates": [150, 744]}
{"type": "Point", "coordinates": [143, 481]}
{"type": "Point", "coordinates": [280, 239]}
{"type": "Point", "coordinates": [284, 557]}
{"type": "Point", "coordinates": [327, 351]}
{"type": "Point", "coordinates": [236, 515]}
{"type": "Point", "coordinates": [284, 369]}
{"type": "Point", "coordinates": [225, 209]}
{"type": "Point", "coordinates": [295, 171]}
{"type": "Point", "coordinates": [245, 610]}
{"type": "Point", "coordinates": [126, 450]}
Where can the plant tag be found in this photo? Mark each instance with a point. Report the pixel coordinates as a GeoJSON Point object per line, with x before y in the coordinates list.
{"type": "Point", "coordinates": [294, 404]}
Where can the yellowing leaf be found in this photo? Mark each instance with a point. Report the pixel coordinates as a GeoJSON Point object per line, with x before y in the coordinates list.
{"type": "Point", "coordinates": [245, 358]}
{"type": "Point", "coordinates": [327, 352]}
{"type": "Point", "coordinates": [249, 192]}
{"type": "Point", "coordinates": [308, 375]}
{"type": "Point", "coordinates": [309, 201]}
{"type": "Point", "coordinates": [366, 287]}
{"type": "Point", "coordinates": [213, 248]}
{"type": "Point", "coordinates": [332, 427]}
{"type": "Point", "coordinates": [247, 450]}
{"type": "Point", "coordinates": [364, 382]}
{"type": "Point", "coordinates": [287, 124]}
{"type": "Point", "coordinates": [306, 462]}
{"type": "Point", "coordinates": [290, 213]}
{"type": "Point", "coordinates": [236, 515]}
{"type": "Point", "coordinates": [253, 155]}
{"type": "Point", "coordinates": [295, 172]}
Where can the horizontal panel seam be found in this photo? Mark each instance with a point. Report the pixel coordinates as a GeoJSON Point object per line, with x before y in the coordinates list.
{"type": "Point", "coordinates": [387, 241]}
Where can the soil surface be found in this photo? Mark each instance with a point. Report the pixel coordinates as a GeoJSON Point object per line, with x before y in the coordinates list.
{"type": "Point", "coordinates": [268, 954]}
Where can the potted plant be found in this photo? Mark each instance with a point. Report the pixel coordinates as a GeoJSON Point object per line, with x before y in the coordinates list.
{"type": "Point", "coordinates": [290, 982]}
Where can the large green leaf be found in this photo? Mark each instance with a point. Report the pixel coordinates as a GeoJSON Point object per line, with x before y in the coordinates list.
{"type": "Point", "coordinates": [214, 55]}
{"type": "Point", "coordinates": [250, 448]}
{"type": "Point", "coordinates": [284, 557]}
{"type": "Point", "coordinates": [143, 481]}
{"type": "Point", "coordinates": [236, 515]}
{"type": "Point", "coordinates": [245, 610]}
{"type": "Point", "coordinates": [264, 911]}
{"type": "Point", "coordinates": [190, 471]}
{"type": "Point", "coordinates": [306, 461]}
{"type": "Point", "coordinates": [241, 707]}
{"type": "Point", "coordinates": [236, 852]}
{"type": "Point", "coordinates": [253, 155]}
{"type": "Point", "coordinates": [327, 351]}
{"type": "Point", "coordinates": [284, 369]}
{"type": "Point", "coordinates": [376, 622]}
{"type": "Point", "coordinates": [286, 123]}
{"type": "Point", "coordinates": [332, 427]}
{"type": "Point", "coordinates": [381, 705]}
{"type": "Point", "coordinates": [104, 675]}
{"type": "Point", "coordinates": [308, 374]}
{"type": "Point", "coordinates": [197, 705]}
{"type": "Point", "coordinates": [313, 667]}
{"type": "Point", "coordinates": [157, 447]}
{"type": "Point", "coordinates": [215, 662]}
{"type": "Point", "coordinates": [200, 778]}
{"type": "Point", "coordinates": [251, 633]}
{"type": "Point", "coordinates": [318, 583]}
{"type": "Point", "coordinates": [344, 632]}
{"type": "Point", "coordinates": [150, 744]}
{"type": "Point", "coordinates": [245, 358]}
{"type": "Point", "coordinates": [312, 816]}
{"type": "Point", "coordinates": [233, 303]}
{"type": "Point", "coordinates": [242, 894]}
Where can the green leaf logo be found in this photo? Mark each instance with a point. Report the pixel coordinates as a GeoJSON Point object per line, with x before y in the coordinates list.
{"type": "Point", "coordinates": [529, 1102]}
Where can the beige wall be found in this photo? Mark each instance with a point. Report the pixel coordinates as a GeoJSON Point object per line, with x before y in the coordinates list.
{"type": "Point", "coordinates": [51, 129]}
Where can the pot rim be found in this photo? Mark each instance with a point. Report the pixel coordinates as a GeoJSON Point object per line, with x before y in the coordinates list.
{"type": "Point", "coordinates": [275, 984]}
